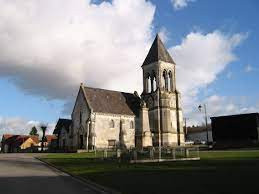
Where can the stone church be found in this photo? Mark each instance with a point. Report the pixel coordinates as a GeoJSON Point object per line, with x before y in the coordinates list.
{"type": "Point", "coordinates": [105, 119]}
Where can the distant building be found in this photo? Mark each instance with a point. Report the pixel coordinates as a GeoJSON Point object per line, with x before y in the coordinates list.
{"type": "Point", "coordinates": [4, 146]}
{"type": "Point", "coordinates": [19, 143]}
{"type": "Point", "coordinates": [49, 141]}
{"type": "Point", "coordinates": [199, 134]}
{"type": "Point", "coordinates": [236, 129]}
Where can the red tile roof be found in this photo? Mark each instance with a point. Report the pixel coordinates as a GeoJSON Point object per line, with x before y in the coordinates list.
{"type": "Point", "coordinates": [17, 140]}
{"type": "Point", "coordinates": [6, 136]}
{"type": "Point", "coordinates": [35, 138]}
{"type": "Point", "coordinates": [50, 138]}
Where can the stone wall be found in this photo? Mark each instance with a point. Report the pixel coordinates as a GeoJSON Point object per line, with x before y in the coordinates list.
{"type": "Point", "coordinates": [64, 139]}
{"type": "Point", "coordinates": [79, 128]}
{"type": "Point", "coordinates": [97, 125]}
{"type": "Point", "coordinates": [105, 132]}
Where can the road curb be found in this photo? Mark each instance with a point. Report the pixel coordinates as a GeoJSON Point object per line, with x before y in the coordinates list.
{"type": "Point", "coordinates": [89, 183]}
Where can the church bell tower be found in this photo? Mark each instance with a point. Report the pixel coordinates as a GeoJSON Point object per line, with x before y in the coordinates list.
{"type": "Point", "coordinates": [161, 96]}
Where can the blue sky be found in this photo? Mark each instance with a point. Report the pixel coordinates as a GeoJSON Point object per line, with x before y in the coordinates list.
{"type": "Point", "coordinates": [230, 17]}
{"type": "Point", "coordinates": [38, 93]}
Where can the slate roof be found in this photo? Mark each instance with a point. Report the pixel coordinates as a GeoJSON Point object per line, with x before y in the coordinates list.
{"type": "Point", "coordinates": [62, 123]}
{"type": "Point", "coordinates": [114, 102]}
{"type": "Point", "coordinates": [158, 52]}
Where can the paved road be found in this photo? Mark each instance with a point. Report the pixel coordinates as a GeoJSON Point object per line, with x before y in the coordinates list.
{"type": "Point", "coordinates": [23, 174]}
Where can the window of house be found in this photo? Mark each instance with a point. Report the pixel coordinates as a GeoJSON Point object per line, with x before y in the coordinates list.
{"type": "Point", "coordinates": [112, 124]}
{"type": "Point", "coordinates": [131, 124]}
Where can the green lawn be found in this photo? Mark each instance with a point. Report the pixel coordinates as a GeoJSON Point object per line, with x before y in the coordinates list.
{"type": "Point", "coordinates": [217, 172]}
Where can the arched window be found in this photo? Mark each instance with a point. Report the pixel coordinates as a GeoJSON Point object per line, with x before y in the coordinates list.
{"type": "Point", "coordinates": [148, 84]}
{"type": "Point", "coordinates": [170, 81]}
{"type": "Point", "coordinates": [112, 124]}
{"type": "Point", "coordinates": [131, 124]}
{"type": "Point", "coordinates": [165, 80]}
{"type": "Point", "coordinates": [154, 84]}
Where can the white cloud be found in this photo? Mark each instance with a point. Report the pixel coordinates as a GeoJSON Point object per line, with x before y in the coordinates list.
{"type": "Point", "coordinates": [164, 34]}
{"type": "Point", "coordinates": [48, 47]}
{"type": "Point", "coordinates": [180, 4]}
{"type": "Point", "coordinates": [20, 126]}
{"type": "Point", "coordinates": [248, 68]}
{"type": "Point", "coordinates": [199, 59]}
{"type": "Point", "coordinates": [222, 105]}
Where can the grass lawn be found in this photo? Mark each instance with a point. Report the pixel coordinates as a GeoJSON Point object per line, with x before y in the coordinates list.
{"type": "Point", "coordinates": [217, 172]}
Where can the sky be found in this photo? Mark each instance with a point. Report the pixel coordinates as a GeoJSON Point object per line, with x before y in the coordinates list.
{"type": "Point", "coordinates": [49, 47]}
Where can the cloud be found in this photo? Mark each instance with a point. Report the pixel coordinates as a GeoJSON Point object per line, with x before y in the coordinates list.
{"type": "Point", "coordinates": [180, 4]}
{"type": "Point", "coordinates": [48, 47]}
{"type": "Point", "coordinates": [199, 59]}
{"type": "Point", "coordinates": [248, 68]}
{"type": "Point", "coordinates": [164, 34]}
{"type": "Point", "coordinates": [222, 105]}
{"type": "Point", "coordinates": [20, 126]}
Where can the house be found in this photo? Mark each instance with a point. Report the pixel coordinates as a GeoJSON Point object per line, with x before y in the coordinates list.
{"type": "Point", "coordinates": [28, 142]}
{"type": "Point", "coordinates": [48, 142]}
{"type": "Point", "coordinates": [104, 118]}
{"type": "Point", "coordinates": [62, 132]}
{"type": "Point", "coordinates": [4, 145]}
{"type": "Point", "coordinates": [19, 143]}
{"type": "Point", "coordinates": [50, 139]}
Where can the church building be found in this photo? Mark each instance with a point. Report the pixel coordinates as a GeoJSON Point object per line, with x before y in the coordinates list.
{"type": "Point", "coordinates": [106, 119]}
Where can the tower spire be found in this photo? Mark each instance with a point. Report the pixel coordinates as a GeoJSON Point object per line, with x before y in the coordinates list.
{"type": "Point", "coordinates": [158, 52]}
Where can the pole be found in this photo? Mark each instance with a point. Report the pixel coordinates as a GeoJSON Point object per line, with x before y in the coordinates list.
{"type": "Point", "coordinates": [177, 119]}
{"type": "Point", "coordinates": [185, 133]}
{"type": "Point", "coordinates": [159, 130]}
{"type": "Point", "coordinates": [206, 122]}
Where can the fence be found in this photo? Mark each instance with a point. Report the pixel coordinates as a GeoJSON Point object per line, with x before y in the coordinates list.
{"type": "Point", "coordinates": [151, 154]}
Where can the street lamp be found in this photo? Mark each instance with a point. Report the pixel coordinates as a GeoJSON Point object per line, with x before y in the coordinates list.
{"type": "Point", "coordinates": [185, 131]}
{"type": "Point", "coordinates": [200, 107]}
